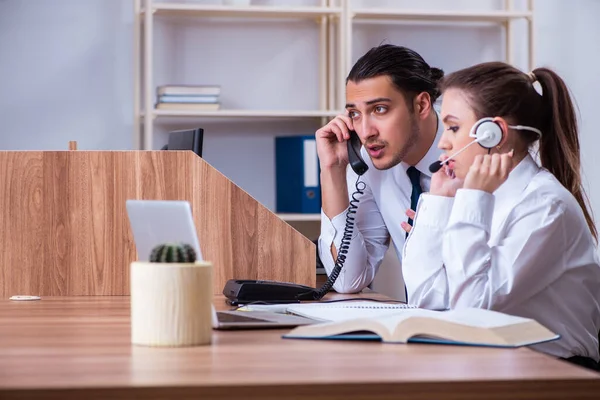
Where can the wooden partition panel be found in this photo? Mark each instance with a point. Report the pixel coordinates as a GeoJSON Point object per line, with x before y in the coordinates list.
{"type": "Point", "coordinates": [65, 231]}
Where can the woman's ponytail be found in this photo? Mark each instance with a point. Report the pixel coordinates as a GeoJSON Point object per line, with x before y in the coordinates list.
{"type": "Point", "coordinates": [559, 145]}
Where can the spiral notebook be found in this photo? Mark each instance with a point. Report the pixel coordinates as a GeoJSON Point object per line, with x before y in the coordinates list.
{"type": "Point", "coordinates": [344, 310]}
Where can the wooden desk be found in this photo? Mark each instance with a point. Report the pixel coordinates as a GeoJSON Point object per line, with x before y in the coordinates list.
{"type": "Point", "coordinates": [78, 348]}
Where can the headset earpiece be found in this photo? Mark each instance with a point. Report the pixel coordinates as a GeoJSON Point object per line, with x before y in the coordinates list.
{"type": "Point", "coordinates": [487, 133]}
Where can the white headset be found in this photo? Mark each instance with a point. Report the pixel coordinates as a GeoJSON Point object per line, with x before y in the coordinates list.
{"type": "Point", "coordinates": [488, 133]}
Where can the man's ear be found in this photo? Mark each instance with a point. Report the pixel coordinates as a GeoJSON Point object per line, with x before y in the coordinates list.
{"type": "Point", "coordinates": [422, 104]}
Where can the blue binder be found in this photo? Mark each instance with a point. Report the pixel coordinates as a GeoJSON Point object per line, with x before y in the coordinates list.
{"type": "Point", "coordinates": [297, 175]}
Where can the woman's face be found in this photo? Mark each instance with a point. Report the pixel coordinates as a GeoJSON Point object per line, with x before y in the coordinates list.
{"type": "Point", "coordinates": [458, 118]}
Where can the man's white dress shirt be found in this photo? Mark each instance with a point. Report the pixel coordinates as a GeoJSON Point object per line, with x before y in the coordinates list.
{"type": "Point", "coordinates": [381, 210]}
{"type": "Point", "coordinates": [524, 250]}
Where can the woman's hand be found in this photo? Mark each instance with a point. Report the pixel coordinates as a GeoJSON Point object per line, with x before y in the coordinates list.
{"type": "Point", "coordinates": [445, 183]}
{"type": "Point", "coordinates": [488, 172]}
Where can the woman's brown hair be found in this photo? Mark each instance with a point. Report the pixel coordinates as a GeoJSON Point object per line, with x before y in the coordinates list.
{"type": "Point", "coordinates": [496, 89]}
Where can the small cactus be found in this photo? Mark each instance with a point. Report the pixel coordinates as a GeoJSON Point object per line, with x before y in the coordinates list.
{"type": "Point", "coordinates": [173, 253]}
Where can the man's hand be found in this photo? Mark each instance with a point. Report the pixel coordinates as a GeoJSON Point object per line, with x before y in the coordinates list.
{"type": "Point", "coordinates": [332, 150]}
{"type": "Point", "coordinates": [331, 142]}
{"type": "Point", "coordinates": [405, 225]}
{"type": "Point", "coordinates": [488, 172]}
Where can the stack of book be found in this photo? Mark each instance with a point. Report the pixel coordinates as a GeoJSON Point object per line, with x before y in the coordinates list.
{"type": "Point", "coordinates": [188, 97]}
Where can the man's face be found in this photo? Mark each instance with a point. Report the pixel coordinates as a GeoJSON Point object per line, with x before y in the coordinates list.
{"type": "Point", "coordinates": [382, 119]}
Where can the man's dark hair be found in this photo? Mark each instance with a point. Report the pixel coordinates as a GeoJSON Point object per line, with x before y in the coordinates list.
{"type": "Point", "coordinates": [405, 67]}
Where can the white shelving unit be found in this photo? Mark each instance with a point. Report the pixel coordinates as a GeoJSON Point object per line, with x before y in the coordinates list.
{"type": "Point", "coordinates": [144, 91]}
{"type": "Point", "coordinates": [428, 15]}
{"type": "Point", "coordinates": [200, 10]}
{"type": "Point", "coordinates": [247, 113]}
{"type": "Point", "coordinates": [294, 217]}
{"type": "Point", "coordinates": [334, 19]}
{"type": "Point", "coordinates": [505, 17]}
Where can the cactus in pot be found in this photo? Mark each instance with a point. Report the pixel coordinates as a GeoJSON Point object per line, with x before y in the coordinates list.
{"type": "Point", "coordinates": [171, 298]}
{"type": "Point", "coordinates": [173, 253]}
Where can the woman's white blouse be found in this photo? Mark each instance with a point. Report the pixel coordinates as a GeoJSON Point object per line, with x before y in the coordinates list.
{"type": "Point", "coordinates": [524, 250]}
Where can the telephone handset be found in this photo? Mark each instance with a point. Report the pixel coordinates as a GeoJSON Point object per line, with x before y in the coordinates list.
{"type": "Point", "coordinates": [356, 162]}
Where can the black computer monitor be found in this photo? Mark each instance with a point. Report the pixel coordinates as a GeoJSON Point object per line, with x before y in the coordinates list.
{"type": "Point", "coordinates": [186, 139]}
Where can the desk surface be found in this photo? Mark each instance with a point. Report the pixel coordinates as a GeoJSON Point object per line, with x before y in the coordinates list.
{"type": "Point", "coordinates": [78, 347]}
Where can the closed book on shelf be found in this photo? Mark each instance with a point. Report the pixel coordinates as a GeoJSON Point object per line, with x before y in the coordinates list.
{"type": "Point", "coordinates": [188, 106]}
{"type": "Point", "coordinates": [298, 188]}
{"type": "Point", "coordinates": [173, 98]}
{"type": "Point", "coordinates": [206, 90]}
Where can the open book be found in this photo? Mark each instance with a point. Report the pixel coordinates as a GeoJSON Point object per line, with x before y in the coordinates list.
{"type": "Point", "coordinates": [470, 326]}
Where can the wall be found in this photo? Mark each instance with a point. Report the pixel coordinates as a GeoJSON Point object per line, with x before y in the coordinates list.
{"type": "Point", "coordinates": [567, 40]}
{"type": "Point", "coordinates": [66, 73]}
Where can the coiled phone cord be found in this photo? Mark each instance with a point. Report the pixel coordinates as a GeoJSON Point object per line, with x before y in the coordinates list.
{"type": "Point", "coordinates": [345, 243]}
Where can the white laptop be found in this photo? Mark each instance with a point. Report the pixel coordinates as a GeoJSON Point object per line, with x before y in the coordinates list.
{"type": "Point", "coordinates": [154, 222]}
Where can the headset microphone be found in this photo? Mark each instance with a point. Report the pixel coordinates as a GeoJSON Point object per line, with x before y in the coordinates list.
{"type": "Point", "coordinates": [435, 167]}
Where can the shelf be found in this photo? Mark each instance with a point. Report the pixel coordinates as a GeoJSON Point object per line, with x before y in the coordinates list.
{"type": "Point", "coordinates": [463, 16]}
{"type": "Point", "coordinates": [335, 51]}
{"type": "Point", "coordinates": [300, 217]}
{"type": "Point", "coordinates": [248, 113]}
{"type": "Point", "coordinates": [249, 11]}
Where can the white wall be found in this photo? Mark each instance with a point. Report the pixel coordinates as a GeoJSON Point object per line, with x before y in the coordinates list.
{"type": "Point", "coordinates": [568, 40]}
{"type": "Point", "coordinates": [66, 72]}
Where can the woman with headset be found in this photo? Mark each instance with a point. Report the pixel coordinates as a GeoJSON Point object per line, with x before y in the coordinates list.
{"type": "Point", "coordinates": [498, 231]}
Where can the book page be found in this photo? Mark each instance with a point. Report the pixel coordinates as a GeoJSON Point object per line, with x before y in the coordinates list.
{"type": "Point", "coordinates": [481, 318]}
{"type": "Point", "coordinates": [475, 317]}
{"type": "Point", "coordinates": [392, 314]}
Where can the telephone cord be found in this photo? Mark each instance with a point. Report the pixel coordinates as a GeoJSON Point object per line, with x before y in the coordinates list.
{"type": "Point", "coordinates": [345, 243]}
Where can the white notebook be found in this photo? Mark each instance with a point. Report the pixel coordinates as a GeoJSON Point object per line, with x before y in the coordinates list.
{"type": "Point", "coordinates": [344, 310]}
